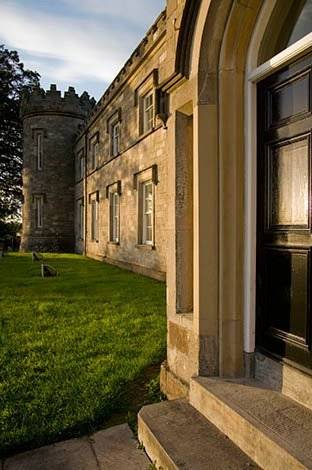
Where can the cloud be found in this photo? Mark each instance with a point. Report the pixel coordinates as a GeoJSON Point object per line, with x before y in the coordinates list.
{"type": "Point", "coordinates": [83, 46]}
{"type": "Point", "coordinates": [137, 12]}
{"type": "Point", "coordinates": [75, 40]}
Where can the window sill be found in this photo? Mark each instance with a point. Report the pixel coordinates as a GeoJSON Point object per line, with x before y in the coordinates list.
{"type": "Point", "coordinates": [111, 157]}
{"type": "Point", "coordinates": [113, 243]}
{"type": "Point", "coordinates": [143, 246]}
{"type": "Point", "coordinates": [93, 171]}
{"type": "Point", "coordinates": [142, 135]}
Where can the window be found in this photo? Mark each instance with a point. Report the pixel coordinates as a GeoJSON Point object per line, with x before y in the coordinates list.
{"type": "Point", "coordinates": [145, 100]}
{"type": "Point", "coordinates": [94, 155]}
{"type": "Point", "coordinates": [94, 148]}
{"type": "Point", "coordinates": [147, 204]}
{"type": "Point", "coordinates": [115, 139]}
{"type": "Point", "coordinates": [80, 218]}
{"type": "Point", "coordinates": [39, 150]}
{"type": "Point", "coordinates": [81, 163]}
{"type": "Point", "coordinates": [114, 131]}
{"type": "Point", "coordinates": [145, 182]}
{"type": "Point", "coordinates": [303, 24]}
{"type": "Point", "coordinates": [291, 22]}
{"type": "Point", "coordinates": [94, 219]}
{"type": "Point", "coordinates": [148, 112]}
{"type": "Point", "coordinates": [114, 216]}
{"type": "Point", "coordinates": [38, 200]}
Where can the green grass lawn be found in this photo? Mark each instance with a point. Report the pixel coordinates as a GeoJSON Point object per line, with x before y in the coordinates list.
{"type": "Point", "coordinates": [71, 346]}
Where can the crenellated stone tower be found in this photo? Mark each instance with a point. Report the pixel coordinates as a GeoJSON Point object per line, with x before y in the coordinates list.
{"type": "Point", "coordinates": [50, 124]}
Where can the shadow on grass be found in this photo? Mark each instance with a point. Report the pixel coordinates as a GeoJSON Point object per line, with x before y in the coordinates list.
{"type": "Point", "coordinates": [131, 398]}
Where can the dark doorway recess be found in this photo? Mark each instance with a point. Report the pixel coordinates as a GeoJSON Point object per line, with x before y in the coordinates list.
{"type": "Point", "coordinates": [284, 237]}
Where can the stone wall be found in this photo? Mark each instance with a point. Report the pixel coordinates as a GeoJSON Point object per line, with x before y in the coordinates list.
{"type": "Point", "coordinates": [57, 119]}
{"type": "Point", "coordinates": [138, 154]}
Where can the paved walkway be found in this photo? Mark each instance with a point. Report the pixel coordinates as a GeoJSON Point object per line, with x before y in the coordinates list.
{"type": "Point", "coordinates": [112, 449]}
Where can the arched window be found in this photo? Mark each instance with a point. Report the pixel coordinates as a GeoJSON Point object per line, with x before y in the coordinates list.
{"type": "Point", "coordinates": [290, 22]}
{"type": "Point", "coordinates": [303, 25]}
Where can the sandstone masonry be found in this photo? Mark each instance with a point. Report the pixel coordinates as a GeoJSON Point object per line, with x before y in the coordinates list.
{"type": "Point", "coordinates": [77, 160]}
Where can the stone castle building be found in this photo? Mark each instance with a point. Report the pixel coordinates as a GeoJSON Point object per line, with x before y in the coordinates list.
{"type": "Point", "coordinates": [50, 128]}
{"type": "Point", "coordinates": [195, 166]}
{"type": "Point", "coordinates": [95, 177]}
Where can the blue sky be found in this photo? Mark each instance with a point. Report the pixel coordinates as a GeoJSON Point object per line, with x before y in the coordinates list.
{"type": "Point", "coordinates": [80, 43]}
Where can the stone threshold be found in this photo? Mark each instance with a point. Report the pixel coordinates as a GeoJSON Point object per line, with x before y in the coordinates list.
{"type": "Point", "coordinates": [115, 449]}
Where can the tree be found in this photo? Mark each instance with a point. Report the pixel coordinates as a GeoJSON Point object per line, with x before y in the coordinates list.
{"type": "Point", "coordinates": [9, 232]}
{"type": "Point", "coordinates": [14, 81]}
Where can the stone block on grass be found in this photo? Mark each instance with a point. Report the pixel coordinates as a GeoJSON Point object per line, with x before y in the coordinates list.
{"type": "Point", "coordinates": [48, 271]}
{"type": "Point", "coordinates": [36, 256]}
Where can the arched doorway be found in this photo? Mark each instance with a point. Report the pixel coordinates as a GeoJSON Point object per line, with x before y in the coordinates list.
{"type": "Point", "coordinates": [278, 131]}
{"type": "Point", "coordinates": [225, 64]}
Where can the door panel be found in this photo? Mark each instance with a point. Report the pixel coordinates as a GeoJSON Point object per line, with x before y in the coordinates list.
{"type": "Point", "coordinates": [287, 277]}
{"type": "Point", "coordinates": [284, 238]}
{"type": "Point", "coordinates": [290, 99]}
{"type": "Point", "coordinates": [288, 184]}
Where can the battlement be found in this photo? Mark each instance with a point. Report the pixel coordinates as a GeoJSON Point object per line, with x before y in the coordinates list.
{"type": "Point", "coordinates": [51, 101]}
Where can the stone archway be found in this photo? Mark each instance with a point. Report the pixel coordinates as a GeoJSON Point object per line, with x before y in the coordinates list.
{"type": "Point", "coordinates": [217, 67]}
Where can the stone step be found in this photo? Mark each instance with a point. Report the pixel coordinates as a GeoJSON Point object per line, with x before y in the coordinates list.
{"type": "Point", "coordinates": [274, 430]}
{"type": "Point", "coordinates": [113, 449]}
{"type": "Point", "coordinates": [175, 436]}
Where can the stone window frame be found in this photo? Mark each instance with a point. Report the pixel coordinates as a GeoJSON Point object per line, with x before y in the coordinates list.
{"type": "Point", "coordinates": [147, 214]}
{"type": "Point", "coordinates": [140, 179]}
{"type": "Point", "coordinates": [81, 164]}
{"type": "Point", "coordinates": [38, 215]}
{"type": "Point", "coordinates": [113, 121]}
{"type": "Point", "coordinates": [148, 112]}
{"type": "Point", "coordinates": [111, 191]}
{"type": "Point", "coordinates": [80, 218]}
{"type": "Point", "coordinates": [38, 135]}
{"type": "Point", "coordinates": [147, 88]}
{"type": "Point", "coordinates": [94, 200]}
{"type": "Point", "coordinates": [115, 139]}
{"type": "Point", "coordinates": [94, 149]}
{"type": "Point", "coordinates": [39, 150]}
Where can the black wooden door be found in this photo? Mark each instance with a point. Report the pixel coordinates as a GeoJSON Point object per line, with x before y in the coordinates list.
{"type": "Point", "coordinates": [284, 236]}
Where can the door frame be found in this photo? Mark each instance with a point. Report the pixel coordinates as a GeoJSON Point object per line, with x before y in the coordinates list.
{"type": "Point", "coordinates": [253, 75]}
